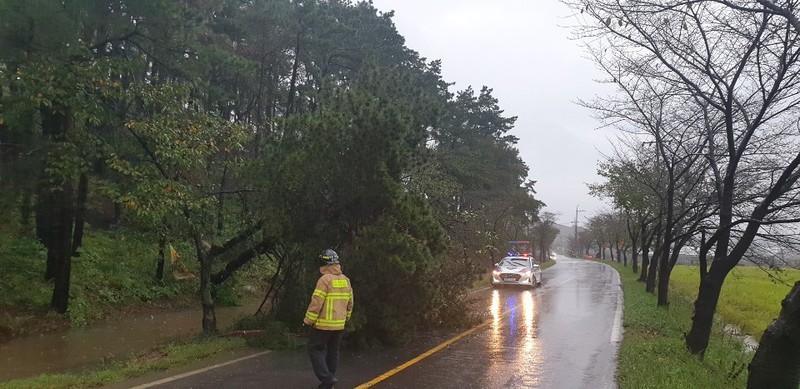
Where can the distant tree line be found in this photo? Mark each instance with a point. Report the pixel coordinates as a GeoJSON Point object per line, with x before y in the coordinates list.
{"type": "Point", "coordinates": [708, 153]}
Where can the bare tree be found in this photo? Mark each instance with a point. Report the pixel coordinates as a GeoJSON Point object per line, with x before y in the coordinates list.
{"type": "Point", "coordinates": [742, 67]}
{"type": "Point", "coordinates": [545, 233]}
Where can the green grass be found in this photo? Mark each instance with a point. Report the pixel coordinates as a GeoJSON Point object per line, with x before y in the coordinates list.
{"type": "Point", "coordinates": [115, 275]}
{"type": "Point", "coordinates": [22, 260]}
{"type": "Point", "coordinates": [750, 297]}
{"type": "Point", "coordinates": [653, 354]}
{"type": "Point", "coordinates": [115, 270]}
{"type": "Point", "coordinates": [160, 359]}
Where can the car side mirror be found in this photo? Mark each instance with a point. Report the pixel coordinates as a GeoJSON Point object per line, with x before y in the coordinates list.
{"type": "Point", "coordinates": [496, 264]}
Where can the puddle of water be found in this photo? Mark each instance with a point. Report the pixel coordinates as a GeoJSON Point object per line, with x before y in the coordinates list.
{"type": "Point", "coordinates": [748, 342]}
{"type": "Point", "coordinates": [81, 347]}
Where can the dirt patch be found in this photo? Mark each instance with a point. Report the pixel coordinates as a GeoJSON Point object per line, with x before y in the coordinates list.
{"type": "Point", "coordinates": [5, 334]}
{"type": "Point", "coordinates": [147, 358]}
{"type": "Point", "coordinates": [17, 322]}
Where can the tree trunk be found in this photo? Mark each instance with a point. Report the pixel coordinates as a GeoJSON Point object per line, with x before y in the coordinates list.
{"type": "Point", "coordinates": [652, 271]}
{"type": "Point", "coordinates": [645, 264]}
{"type": "Point", "coordinates": [45, 228]}
{"type": "Point", "coordinates": [242, 259]}
{"type": "Point", "coordinates": [50, 207]}
{"type": "Point", "coordinates": [704, 308]}
{"type": "Point", "coordinates": [117, 213]}
{"type": "Point", "coordinates": [207, 302]}
{"type": "Point", "coordinates": [62, 248]}
{"type": "Point", "coordinates": [634, 245]}
{"type": "Point", "coordinates": [646, 242]}
{"type": "Point", "coordinates": [776, 363]}
{"type": "Point", "coordinates": [711, 284]}
{"type": "Point", "coordinates": [25, 211]}
{"type": "Point", "coordinates": [2, 136]}
{"type": "Point", "coordinates": [650, 287]}
{"type": "Point", "coordinates": [293, 81]}
{"type": "Point", "coordinates": [80, 214]}
{"type": "Point", "coordinates": [162, 247]}
{"type": "Point", "coordinates": [257, 117]}
{"type": "Point", "coordinates": [663, 277]}
{"type": "Point", "coordinates": [221, 202]}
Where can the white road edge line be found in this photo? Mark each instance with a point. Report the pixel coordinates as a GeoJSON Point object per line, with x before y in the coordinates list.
{"type": "Point", "coordinates": [198, 371]}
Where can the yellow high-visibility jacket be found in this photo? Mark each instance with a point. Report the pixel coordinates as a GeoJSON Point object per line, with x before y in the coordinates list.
{"type": "Point", "coordinates": [332, 302]}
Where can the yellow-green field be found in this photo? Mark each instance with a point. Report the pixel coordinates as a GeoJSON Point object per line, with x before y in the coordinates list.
{"type": "Point", "coordinates": [750, 298]}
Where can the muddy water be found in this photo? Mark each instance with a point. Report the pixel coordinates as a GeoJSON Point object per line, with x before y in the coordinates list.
{"type": "Point", "coordinates": [121, 337]}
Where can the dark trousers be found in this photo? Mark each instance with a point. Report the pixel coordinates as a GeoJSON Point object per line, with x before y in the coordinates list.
{"type": "Point", "coordinates": [323, 349]}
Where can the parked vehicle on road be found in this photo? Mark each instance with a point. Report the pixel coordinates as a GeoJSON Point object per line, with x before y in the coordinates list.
{"type": "Point", "coordinates": [517, 270]}
{"type": "Point", "coordinates": [519, 248]}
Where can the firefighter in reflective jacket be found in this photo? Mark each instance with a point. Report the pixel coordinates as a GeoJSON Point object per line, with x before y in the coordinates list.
{"type": "Point", "coordinates": [330, 308]}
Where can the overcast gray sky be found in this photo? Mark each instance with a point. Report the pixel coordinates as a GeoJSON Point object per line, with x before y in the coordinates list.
{"type": "Point", "coordinates": [523, 51]}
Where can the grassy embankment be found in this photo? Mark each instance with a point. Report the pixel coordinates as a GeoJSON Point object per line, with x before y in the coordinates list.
{"type": "Point", "coordinates": [653, 354]}
{"type": "Point", "coordinates": [750, 297]}
{"type": "Point", "coordinates": [113, 275]}
{"type": "Point", "coordinates": [114, 272]}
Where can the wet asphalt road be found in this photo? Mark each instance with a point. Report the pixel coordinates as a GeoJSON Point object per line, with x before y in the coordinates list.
{"type": "Point", "coordinates": [563, 334]}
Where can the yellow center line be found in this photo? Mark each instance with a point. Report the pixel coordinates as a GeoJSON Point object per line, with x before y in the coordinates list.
{"type": "Point", "coordinates": [448, 342]}
{"type": "Point", "coordinates": [430, 352]}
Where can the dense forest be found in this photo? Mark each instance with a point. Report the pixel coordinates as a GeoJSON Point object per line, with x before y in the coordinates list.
{"type": "Point", "coordinates": [249, 131]}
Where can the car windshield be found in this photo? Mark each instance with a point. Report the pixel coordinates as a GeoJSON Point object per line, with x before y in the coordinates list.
{"type": "Point", "coordinates": [514, 262]}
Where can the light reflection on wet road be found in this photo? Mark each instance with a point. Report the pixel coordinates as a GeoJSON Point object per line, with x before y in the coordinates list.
{"type": "Point", "coordinates": [556, 336]}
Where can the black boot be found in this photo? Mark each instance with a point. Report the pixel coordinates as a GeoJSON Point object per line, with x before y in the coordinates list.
{"type": "Point", "coordinates": [328, 385]}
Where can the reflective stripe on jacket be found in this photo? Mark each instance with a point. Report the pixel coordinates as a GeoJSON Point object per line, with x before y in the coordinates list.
{"type": "Point", "coordinates": [332, 301]}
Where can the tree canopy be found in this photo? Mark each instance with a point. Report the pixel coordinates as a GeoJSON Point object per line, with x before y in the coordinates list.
{"type": "Point", "coordinates": [258, 129]}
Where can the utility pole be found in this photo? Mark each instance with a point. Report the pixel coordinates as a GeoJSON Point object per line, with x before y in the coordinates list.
{"type": "Point", "coordinates": [577, 247]}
